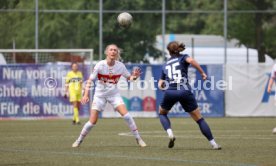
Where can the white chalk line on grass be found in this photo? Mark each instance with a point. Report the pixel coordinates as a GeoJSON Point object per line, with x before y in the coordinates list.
{"type": "Point", "coordinates": [161, 134]}
{"type": "Point", "coordinates": [105, 155]}
{"type": "Point", "coordinates": [227, 134]}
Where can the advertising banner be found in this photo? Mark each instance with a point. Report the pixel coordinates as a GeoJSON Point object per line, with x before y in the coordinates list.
{"type": "Point", "coordinates": [35, 91]}
{"type": "Point", "coordinates": [249, 96]}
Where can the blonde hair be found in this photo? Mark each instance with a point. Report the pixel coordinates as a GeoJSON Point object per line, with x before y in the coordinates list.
{"type": "Point", "coordinates": [118, 51]}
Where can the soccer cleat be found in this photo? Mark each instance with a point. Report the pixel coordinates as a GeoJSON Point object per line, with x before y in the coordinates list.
{"type": "Point", "coordinates": [141, 143]}
{"type": "Point", "coordinates": [76, 144]}
{"type": "Point", "coordinates": [216, 147]}
{"type": "Point", "coordinates": [78, 123]}
{"type": "Point", "coordinates": [73, 122]}
{"type": "Point", "coordinates": [171, 143]}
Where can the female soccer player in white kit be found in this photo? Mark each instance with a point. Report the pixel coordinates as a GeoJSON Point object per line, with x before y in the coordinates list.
{"type": "Point", "coordinates": [108, 72]}
{"type": "Point", "coordinates": [271, 80]}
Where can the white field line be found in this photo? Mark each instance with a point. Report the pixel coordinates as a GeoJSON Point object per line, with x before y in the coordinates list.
{"type": "Point", "coordinates": [106, 155]}
{"type": "Point", "coordinates": [161, 134]}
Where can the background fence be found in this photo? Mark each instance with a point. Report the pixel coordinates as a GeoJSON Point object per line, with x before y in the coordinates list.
{"type": "Point", "coordinates": [53, 24]}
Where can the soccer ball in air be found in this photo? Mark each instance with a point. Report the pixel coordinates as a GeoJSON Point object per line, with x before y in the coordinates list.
{"type": "Point", "coordinates": [124, 19]}
{"type": "Point", "coordinates": [274, 131]}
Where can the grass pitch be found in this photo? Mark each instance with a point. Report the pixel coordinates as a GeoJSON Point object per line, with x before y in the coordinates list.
{"type": "Point", "coordinates": [245, 142]}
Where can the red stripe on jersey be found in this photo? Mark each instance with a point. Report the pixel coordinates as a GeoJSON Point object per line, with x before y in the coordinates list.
{"type": "Point", "coordinates": [113, 79]}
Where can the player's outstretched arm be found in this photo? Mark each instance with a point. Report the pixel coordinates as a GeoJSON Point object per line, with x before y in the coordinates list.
{"type": "Point", "coordinates": [197, 66]}
{"type": "Point", "coordinates": [271, 80]}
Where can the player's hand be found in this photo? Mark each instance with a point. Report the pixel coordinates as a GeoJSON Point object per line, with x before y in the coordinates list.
{"type": "Point", "coordinates": [84, 99]}
{"type": "Point", "coordinates": [136, 72]}
{"type": "Point", "coordinates": [268, 89]}
{"type": "Point", "coordinates": [163, 86]}
{"type": "Point", "coordinates": [204, 76]}
{"type": "Point", "coordinates": [66, 95]}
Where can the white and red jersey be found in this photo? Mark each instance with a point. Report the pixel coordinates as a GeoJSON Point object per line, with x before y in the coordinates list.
{"type": "Point", "coordinates": [273, 72]}
{"type": "Point", "coordinates": [108, 77]}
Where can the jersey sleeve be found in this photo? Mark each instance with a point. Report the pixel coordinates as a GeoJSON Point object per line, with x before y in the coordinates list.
{"type": "Point", "coordinates": [95, 72]}
{"type": "Point", "coordinates": [125, 73]}
{"type": "Point", "coordinates": [184, 57]}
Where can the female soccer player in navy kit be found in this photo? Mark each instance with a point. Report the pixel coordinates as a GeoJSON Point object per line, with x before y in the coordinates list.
{"type": "Point", "coordinates": [174, 82]}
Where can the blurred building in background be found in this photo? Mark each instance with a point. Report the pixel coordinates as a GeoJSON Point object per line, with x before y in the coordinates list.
{"type": "Point", "coordinates": [207, 49]}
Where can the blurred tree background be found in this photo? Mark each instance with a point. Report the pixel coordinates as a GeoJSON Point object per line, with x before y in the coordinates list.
{"type": "Point", "coordinates": [72, 29]}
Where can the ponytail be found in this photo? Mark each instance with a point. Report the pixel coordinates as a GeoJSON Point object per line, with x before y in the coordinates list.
{"type": "Point", "coordinates": [175, 48]}
{"type": "Point", "coordinates": [181, 47]}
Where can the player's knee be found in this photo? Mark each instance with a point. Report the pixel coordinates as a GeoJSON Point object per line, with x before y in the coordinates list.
{"type": "Point", "coordinates": [75, 104]}
{"type": "Point", "coordinates": [121, 109]}
{"type": "Point", "coordinates": [93, 121]}
{"type": "Point", "coordinates": [93, 116]}
{"type": "Point", "coordinates": [196, 115]}
{"type": "Point", "coordinates": [163, 111]}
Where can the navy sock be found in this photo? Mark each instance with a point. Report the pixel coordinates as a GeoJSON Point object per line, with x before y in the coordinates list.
{"type": "Point", "coordinates": [205, 129]}
{"type": "Point", "coordinates": [165, 121]}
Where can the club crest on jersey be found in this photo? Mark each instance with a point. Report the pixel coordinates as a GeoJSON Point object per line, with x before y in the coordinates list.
{"type": "Point", "coordinates": [110, 73]}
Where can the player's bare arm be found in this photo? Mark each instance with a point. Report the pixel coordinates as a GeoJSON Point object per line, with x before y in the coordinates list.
{"type": "Point", "coordinates": [197, 66]}
{"type": "Point", "coordinates": [85, 97]}
{"type": "Point", "coordinates": [66, 94]}
{"type": "Point", "coordinates": [271, 80]}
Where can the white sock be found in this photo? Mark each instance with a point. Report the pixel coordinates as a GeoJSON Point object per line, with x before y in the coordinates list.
{"type": "Point", "coordinates": [132, 126]}
{"type": "Point", "coordinates": [170, 133]}
{"type": "Point", "coordinates": [213, 142]}
{"type": "Point", "coordinates": [85, 130]}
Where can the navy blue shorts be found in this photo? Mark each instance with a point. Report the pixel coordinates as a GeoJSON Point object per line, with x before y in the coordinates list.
{"type": "Point", "coordinates": [185, 97]}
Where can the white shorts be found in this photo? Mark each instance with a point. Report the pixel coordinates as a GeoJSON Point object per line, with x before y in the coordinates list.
{"type": "Point", "coordinates": [99, 103]}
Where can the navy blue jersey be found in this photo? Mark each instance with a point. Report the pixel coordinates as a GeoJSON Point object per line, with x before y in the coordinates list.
{"type": "Point", "coordinates": [175, 71]}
